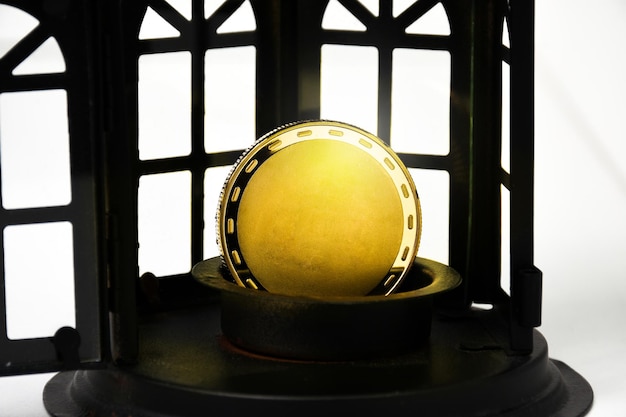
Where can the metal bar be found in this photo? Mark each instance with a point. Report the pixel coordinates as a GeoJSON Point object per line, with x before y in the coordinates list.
{"type": "Point", "coordinates": [372, 38]}
{"type": "Point", "coordinates": [182, 43]}
{"type": "Point", "coordinates": [384, 92]}
{"type": "Point", "coordinates": [24, 48]}
{"type": "Point", "coordinates": [121, 22]}
{"type": "Point", "coordinates": [521, 20]}
{"type": "Point", "coordinates": [412, 160]}
{"type": "Point", "coordinates": [458, 162]}
{"type": "Point", "coordinates": [35, 82]}
{"type": "Point", "coordinates": [197, 132]}
{"type": "Point", "coordinates": [486, 145]}
{"type": "Point", "coordinates": [414, 12]}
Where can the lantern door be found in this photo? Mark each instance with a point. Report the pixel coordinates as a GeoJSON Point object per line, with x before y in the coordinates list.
{"type": "Point", "coordinates": [51, 275]}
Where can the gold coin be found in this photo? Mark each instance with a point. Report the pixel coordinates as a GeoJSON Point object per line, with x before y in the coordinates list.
{"type": "Point", "coordinates": [319, 209]}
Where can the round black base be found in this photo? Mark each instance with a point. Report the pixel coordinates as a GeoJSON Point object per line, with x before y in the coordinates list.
{"type": "Point", "coordinates": [188, 369]}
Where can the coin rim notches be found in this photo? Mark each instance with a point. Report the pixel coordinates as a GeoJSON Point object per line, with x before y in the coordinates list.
{"type": "Point", "coordinates": [297, 132]}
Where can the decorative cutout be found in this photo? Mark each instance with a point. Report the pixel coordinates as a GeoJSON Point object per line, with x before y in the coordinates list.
{"type": "Point", "coordinates": [349, 85]}
{"type": "Point", "coordinates": [505, 246]}
{"type": "Point", "coordinates": [211, 6]}
{"type": "Point", "coordinates": [399, 6]}
{"type": "Point", "coordinates": [433, 22]}
{"type": "Point", "coordinates": [154, 26]}
{"type": "Point", "coordinates": [165, 233]}
{"type": "Point", "coordinates": [34, 128]}
{"type": "Point", "coordinates": [371, 5]}
{"type": "Point", "coordinates": [230, 99]}
{"type": "Point", "coordinates": [15, 24]}
{"type": "Point", "coordinates": [47, 59]}
{"type": "Point", "coordinates": [505, 34]}
{"type": "Point", "coordinates": [214, 179]}
{"type": "Point", "coordinates": [242, 20]}
{"type": "Point", "coordinates": [420, 101]}
{"type": "Point", "coordinates": [164, 99]}
{"type": "Point", "coordinates": [39, 279]}
{"type": "Point", "coordinates": [337, 17]}
{"type": "Point", "coordinates": [505, 155]}
{"type": "Point", "coordinates": [434, 191]}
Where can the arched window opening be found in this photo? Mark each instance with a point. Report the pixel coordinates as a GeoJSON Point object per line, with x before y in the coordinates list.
{"type": "Point", "coordinates": [399, 92]}
{"type": "Point", "coordinates": [192, 104]}
{"type": "Point", "coordinates": [36, 186]}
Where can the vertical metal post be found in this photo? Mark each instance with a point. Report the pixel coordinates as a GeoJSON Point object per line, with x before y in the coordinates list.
{"type": "Point", "coordinates": [485, 242]}
{"type": "Point", "coordinates": [525, 278]}
{"type": "Point", "coordinates": [120, 150]}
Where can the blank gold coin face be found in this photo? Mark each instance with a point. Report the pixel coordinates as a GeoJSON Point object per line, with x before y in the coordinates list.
{"type": "Point", "coordinates": [319, 209]}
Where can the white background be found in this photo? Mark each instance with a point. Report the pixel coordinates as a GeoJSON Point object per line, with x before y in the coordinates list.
{"type": "Point", "coordinates": [580, 200]}
{"type": "Point", "coordinates": [580, 206]}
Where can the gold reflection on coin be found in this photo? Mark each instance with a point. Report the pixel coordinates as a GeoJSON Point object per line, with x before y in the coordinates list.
{"type": "Point", "coordinates": [321, 217]}
{"type": "Point", "coordinates": [319, 208]}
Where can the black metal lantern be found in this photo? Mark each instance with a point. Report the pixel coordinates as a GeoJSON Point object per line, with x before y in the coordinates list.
{"type": "Point", "coordinates": [159, 98]}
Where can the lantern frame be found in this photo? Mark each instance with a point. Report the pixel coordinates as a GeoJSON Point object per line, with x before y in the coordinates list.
{"type": "Point", "coordinates": [100, 43]}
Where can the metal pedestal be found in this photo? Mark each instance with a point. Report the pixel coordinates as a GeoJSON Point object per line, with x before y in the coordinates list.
{"type": "Point", "coordinates": [187, 368]}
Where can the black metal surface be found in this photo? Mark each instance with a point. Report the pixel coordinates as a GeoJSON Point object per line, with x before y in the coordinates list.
{"type": "Point", "coordinates": [522, 133]}
{"type": "Point", "coordinates": [187, 368]}
{"type": "Point", "coordinates": [330, 328]}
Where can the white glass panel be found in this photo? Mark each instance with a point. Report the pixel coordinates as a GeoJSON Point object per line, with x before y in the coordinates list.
{"type": "Point", "coordinates": [433, 22]}
{"type": "Point", "coordinates": [210, 6]}
{"type": "Point", "coordinates": [34, 149]}
{"type": "Point", "coordinates": [164, 223]}
{"type": "Point", "coordinates": [505, 231]}
{"type": "Point", "coordinates": [14, 25]}
{"type": "Point", "coordinates": [230, 82]}
{"type": "Point", "coordinates": [349, 84]}
{"type": "Point", "coordinates": [420, 101]}
{"type": "Point", "coordinates": [337, 17]}
{"type": "Point", "coordinates": [214, 179]}
{"type": "Point", "coordinates": [241, 20]}
{"type": "Point", "coordinates": [46, 59]}
{"type": "Point", "coordinates": [164, 105]}
{"type": "Point", "coordinates": [433, 188]}
{"type": "Point", "coordinates": [506, 118]}
{"type": "Point", "coordinates": [154, 26]}
{"type": "Point", "coordinates": [39, 279]}
{"type": "Point", "coordinates": [505, 34]}
{"type": "Point", "coordinates": [400, 6]}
